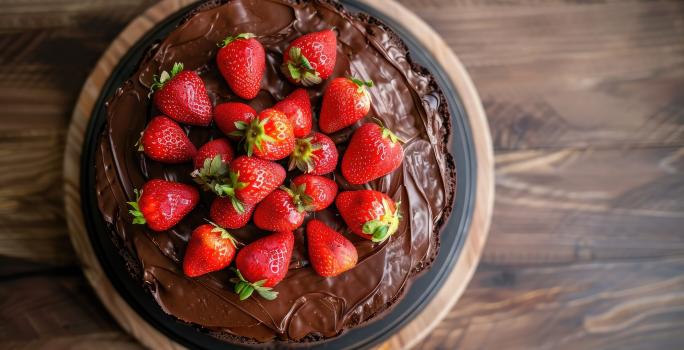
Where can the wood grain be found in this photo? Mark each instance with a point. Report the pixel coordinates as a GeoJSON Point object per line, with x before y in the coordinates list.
{"type": "Point", "coordinates": [584, 100]}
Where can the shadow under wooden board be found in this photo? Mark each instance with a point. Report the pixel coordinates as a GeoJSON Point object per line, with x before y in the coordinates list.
{"type": "Point", "coordinates": [475, 225]}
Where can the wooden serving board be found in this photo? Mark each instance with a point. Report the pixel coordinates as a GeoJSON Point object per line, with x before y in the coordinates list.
{"type": "Point", "coordinates": [413, 331]}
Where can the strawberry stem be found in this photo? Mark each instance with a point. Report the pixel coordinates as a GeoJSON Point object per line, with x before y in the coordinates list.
{"type": "Point", "coordinates": [160, 80]}
{"type": "Point", "coordinates": [255, 135]}
{"type": "Point", "coordinates": [138, 217]}
{"type": "Point", "coordinates": [244, 288]}
{"type": "Point", "coordinates": [303, 157]}
{"type": "Point", "coordinates": [382, 228]}
{"type": "Point", "coordinates": [215, 176]}
{"type": "Point", "coordinates": [362, 84]}
{"type": "Point", "coordinates": [230, 39]}
{"type": "Point", "coordinates": [300, 199]}
{"type": "Point", "coordinates": [299, 69]}
{"type": "Point", "coordinates": [213, 171]}
{"type": "Point", "coordinates": [224, 233]}
{"type": "Point", "coordinates": [386, 132]}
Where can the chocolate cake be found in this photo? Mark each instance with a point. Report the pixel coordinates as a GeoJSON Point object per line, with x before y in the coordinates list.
{"type": "Point", "coordinates": [309, 307]}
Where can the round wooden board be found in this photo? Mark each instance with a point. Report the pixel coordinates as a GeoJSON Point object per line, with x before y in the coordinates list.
{"type": "Point", "coordinates": [412, 332]}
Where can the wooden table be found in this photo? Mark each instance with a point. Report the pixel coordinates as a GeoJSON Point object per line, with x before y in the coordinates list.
{"type": "Point", "coordinates": [586, 104]}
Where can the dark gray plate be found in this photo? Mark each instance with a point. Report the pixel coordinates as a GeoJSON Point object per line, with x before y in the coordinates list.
{"type": "Point", "coordinates": [417, 296]}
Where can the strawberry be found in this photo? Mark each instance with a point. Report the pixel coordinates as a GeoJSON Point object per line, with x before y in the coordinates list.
{"type": "Point", "coordinates": [211, 163]}
{"type": "Point", "coordinates": [162, 204]}
{"type": "Point", "coordinates": [321, 190]}
{"type": "Point", "coordinates": [165, 141]}
{"type": "Point", "coordinates": [373, 152]}
{"type": "Point", "coordinates": [242, 62]}
{"type": "Point", "coordinates": [330, 253]}
{"type": "Point", "coordinates": [250, 180]}
{"type": "Point", "coordinates": [282, 210]}
{"type": "Point", "coordinates": [182, 96]}
{"type": "Point", "coordinates": [227, 114]}
{"type": "Point", "coordinates": [315, 154]}
{"type": "Point", "coordinates": [268, 136]}
{"type": "Point", "coordinates": [345, 101]}
{"type": "Point", "coordinates": [262, 264]}
{"type": "Point", "coordinates": [211, 149]}
{"type": "Point", "coordinates": [225, 215]}
{"type": "Point", "coordinates": [370, 214]}
{"type": "Point", "coordinates": [297, 108]}
{"type": "Point", "coordinates": [211, 248]}
{"type": "Point", "coordinates": [310, 59]}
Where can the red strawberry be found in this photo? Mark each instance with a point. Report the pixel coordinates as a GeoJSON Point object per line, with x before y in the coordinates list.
{"type": "Point", "coordinates": [268, 136]}
{"type": "Point", "coordinates": [225, 215]}
{"type": "Point", "coordinates": [211, 149]}
{"type": "Point", "coordinates": [370, 214]}
{"type": "Point", "coordinates": [182, 96]}
{"type": "Point", "coordinates": [345, 101]}
{"type": "Point", "coordinates": [310, 58]}
{"type": "Point", "coordinates": [162, 204]}
{"type": "Point", "coordinates": [250, 180]}
{"type": "Point", "coordinates": [242, 62]}
{"type": "Point", "coordinates": [211, 248]}
{"type": "Point", "coordinates": [165, 141]}
{"type": "Point", "coordinates": [227, 114]}
{"type": "Point", "coordinates": [297, 108]}
{"type": "Point", "coordinates": [282, 210]}
{"type": "Point", "coordinates": [330, 252]}
{"type": "Point", "coordinates": [262, 264]}
{"type": "Point", "coordinates": [211, 163]}
{"type": "Point", "coordinates": [373, 152]}
{"type": "Point", "coordinates": [315, 154]}
{"type": "Point", "coordinates": [321, 190]}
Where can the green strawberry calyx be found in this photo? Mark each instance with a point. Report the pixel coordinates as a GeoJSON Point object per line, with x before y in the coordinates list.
{"type": "Point", "coordinates": [300, 69]}
{"type": "Point", "coordinates": [227, 187]}
{"type": "Point", "coordinates": [386, 132]}
{"type": "Point", "coordinates": [300, 199]}
{"type": "Point", "coordinates": [244, 288]}
{"type": "Point", "coordinates": [223, 232]}
{"type": "Point", "coordinates": [213, 171]}
{"type": "Point", "coordinates": [138, 217]}
{"type": "Point", "coordinates": [362, 84]}
{"type": "Point", "coordinates": [254, 134]}
{"type": "Point", "coordinates": [225, 42]}
{"type": "Point", "coordinates": [385, 226]}
{"type": "Point", "coordinates": [303, 156]}
{"type": "Point", "coordinates": [165, 76]}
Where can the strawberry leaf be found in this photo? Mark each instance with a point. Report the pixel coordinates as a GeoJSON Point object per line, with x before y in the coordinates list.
{"type": "Point", "coordinates": [138, 217]}
{"type": "Point", "coordinates": [246, 292]}
{"type": "Point", "coordinates": [267, 293]}
{"type": "Point", "coordinates": [239, 207]}
{"type": "Point", "coordinates": [294, 72]}
{"type": "Point", "coordinates": [230, 39]}
{"type": "Point", "coordinates": [362, 84]}
{"type": "Point", "coordinates": [244, 289]}
{"type": "Point", "coordinates": [299, 68]}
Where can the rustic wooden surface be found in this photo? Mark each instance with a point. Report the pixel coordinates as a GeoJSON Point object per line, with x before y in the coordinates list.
{"type": "Point", "coordinates": [586, 104]}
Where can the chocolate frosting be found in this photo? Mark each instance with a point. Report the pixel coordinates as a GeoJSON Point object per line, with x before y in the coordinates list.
{"type": "Point", "coordinates": [309, 307]}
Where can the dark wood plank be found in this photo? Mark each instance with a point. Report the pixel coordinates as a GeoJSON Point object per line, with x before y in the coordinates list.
{"type": "Point", "coordinates": [55, 309]}
{"type": "Point", "coordinates": [633, 304]}
{"type": "Point", "coordinates": [578, 205]}
{"type": "Point", "coordinates": [46, 52]}
{"type": "Point", "coordinates": [571, 73]}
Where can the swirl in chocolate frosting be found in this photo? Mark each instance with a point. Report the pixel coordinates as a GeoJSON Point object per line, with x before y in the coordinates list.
{"type": "Point", "coordinates": [405, 98]}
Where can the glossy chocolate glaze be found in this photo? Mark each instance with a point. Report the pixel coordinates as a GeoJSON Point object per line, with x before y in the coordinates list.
{"type": "Point", "coordinates": [308, 307]}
